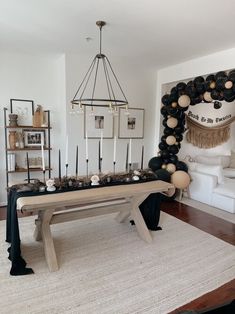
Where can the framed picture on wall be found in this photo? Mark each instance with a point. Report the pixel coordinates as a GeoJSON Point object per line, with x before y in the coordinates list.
{"type": "Point", "coordinates": [24, 109]}
{"type": "Point", "coordinates": [97, 121]}
{"type": "Point", "coordinates": [131, 125]}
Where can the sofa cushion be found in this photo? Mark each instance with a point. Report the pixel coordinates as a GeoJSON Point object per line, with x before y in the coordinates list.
{"type": "Point", "coordinates": [229, 172]}
{"type": "Point", "coordinates": [223, 161]}
{"type": "Point", "coordinates": [212, 170]}
{"type": "Point", "coordinates": [226, 189]}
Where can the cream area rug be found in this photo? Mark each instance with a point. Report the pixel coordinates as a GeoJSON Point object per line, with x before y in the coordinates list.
{"type": "Point", "coordinates": [106, 268]}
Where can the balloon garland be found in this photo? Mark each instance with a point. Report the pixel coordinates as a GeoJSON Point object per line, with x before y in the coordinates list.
{"type": "Point", "coordinates": [213, 88]}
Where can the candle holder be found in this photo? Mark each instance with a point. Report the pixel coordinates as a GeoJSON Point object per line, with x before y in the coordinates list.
{"type": "Point", "coordinates": [100, 170]}
{"type": "Point", "coordinates": [130, 167]}
{"type": "Point", "coordinates": [87, 166]}
{"type": "Point", "coordinates": [114, 166]}
{"type": "Point", "coordinates": [66, 170]}
{"type": "Point", "coordinates": [44, 176]}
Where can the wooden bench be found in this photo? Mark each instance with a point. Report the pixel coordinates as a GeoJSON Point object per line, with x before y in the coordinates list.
{"type": "Point", "coordinates": [68, 206]}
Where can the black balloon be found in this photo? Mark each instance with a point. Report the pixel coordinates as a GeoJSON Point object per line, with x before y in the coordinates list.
{"type": "Point", "coordinates": [179, 137]}
{"type": "Point", "coordinates": [164, 111]}
{"type": "Point", "coordinates": [166, 100]}
{"type": "Point", "coordinates": [155, 163]}
{"type": "Point", "coordinates": [162, 145]}
{"type": "Point", "coordinates": [179, 130]}
{"type": "Point", "coordinates": [173, 159]}
{"type": "Point", "coordinates": [165, 154]}
{"type": "Point", "coordinates": [168, 131]}
{"type": "Point", "coordinates": [210, 78]}
{"type": "Point", "coordinates": [173, 149]}
{"type": "Point", "coordinates": [181, 86]}
{"type": "Point", "coordinates": [182, 166]}
{"type": "Point", "coordinates": [163, 175]}
{"type": "Point", "coordinates": [220, 75]}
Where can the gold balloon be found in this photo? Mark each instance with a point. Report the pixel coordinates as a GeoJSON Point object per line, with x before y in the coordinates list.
{"type": "Point", "coordinates": [163, 166]}
{"type": "Point", "coordinates": [228, 84]}
{"type": "Point", "coordinates": [180, 179]}
{"type": "Point", "coordinates": [184, 101]}
{"type": "Point", "coordinates": [207, 96]}
{"type": "Point", "coordinates": [212, 85]}
{"type": "Point", "coordinates": [172, 122]}
{"type": "Point", "coordinates": [170, 140]}
{"type": "Point", "coordinates": [174, 104]}
{"type": "Point", "coordinates": [171, 168]}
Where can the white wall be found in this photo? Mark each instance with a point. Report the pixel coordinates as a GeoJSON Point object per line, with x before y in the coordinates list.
{"type": "Point", "coordinates": [51, 81]}
{"type": "Point", "coordinates": [40, 78]}
{"type": "Point", "coordinates": [139, 87]}
{"type": "Point", "coordinates": [223, 60]}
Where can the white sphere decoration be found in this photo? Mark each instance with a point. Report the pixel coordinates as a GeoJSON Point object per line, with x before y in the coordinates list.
{"type": "Point", "coordinates": [172, 122]}
{"type": "Point", "coordinates": [170, 140]}
{"type": "Point", "coordinates": [171, 168]}
{"type": "Point", "coordinates": [184, 101]}
{"type": "Point", "coordinates": [180, 179]}
{"type": "Point", "coordinates": [207, 96]}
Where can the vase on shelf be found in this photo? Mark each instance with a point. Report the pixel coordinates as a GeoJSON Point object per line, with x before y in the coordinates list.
{"type": "Point", "coordinates": [13, 119]}
{"type": "Point", "coordinates": [12, 139]}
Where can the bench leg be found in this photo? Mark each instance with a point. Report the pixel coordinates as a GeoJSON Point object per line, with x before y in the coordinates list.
{"type": "Point", "coordinates": [48, 243]}
{"type": "Point", "coordinates": [140, 224]}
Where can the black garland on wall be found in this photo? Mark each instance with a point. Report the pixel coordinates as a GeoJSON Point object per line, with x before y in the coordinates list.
{"type": "Point", "coordinates": [214, 88]}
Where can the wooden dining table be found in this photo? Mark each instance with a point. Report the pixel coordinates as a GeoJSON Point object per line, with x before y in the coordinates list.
{"type": "Point", "coordinates": [73, 205]}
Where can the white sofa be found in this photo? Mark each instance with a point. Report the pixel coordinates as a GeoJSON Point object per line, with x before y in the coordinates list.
{"type": "Point", "coordinates": [213, 181]}
{"type": "Point", "coordinates": [206, 189]}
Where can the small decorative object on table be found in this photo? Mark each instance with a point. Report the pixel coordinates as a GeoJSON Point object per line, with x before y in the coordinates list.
{"type": "Point", "coordinates": [95, 180]}
{"type": "Point", "coordinates": [50, 185]}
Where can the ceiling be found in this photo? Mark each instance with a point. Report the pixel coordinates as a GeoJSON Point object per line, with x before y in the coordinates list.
{"type": "Point", "coordinates": [155, 33]}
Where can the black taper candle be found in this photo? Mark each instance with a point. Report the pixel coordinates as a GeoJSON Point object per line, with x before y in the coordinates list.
{"type": "Point", "coordinates": [142, 158]}
{"type": "Point", "coordinates": [127, 155]}
{"type": "Point", "coordinates": [59, 165]}
{"type": "Point", "coordinates": [99, 164]}
{"type": "Point", "coordinates": [76, 161]}
{"type": "Point", "coordinates": [27, 160]}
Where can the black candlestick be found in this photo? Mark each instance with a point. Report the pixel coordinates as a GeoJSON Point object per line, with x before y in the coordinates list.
{"type": "Point", "coordinates": [142, 158]}
{"type": "Point", "coordinates": [77, 162]}
{"type": "Point", "coordinates": [87, 164]}
{"type": "Point", "coordinates": [66, 170]}
{"type": "Point", "coordinates": [27, 159]}
{"type": "Point", "coordinates": [129, 167]}
{"type": "Point", "coordinates": [59, 166]}
{"type": "Point", "coordinates": [99, 163]}
{"type": "Point", "coordinates": [114, 166]}
{"type": "Point", "coordinates": [127, 154]}
{"type": "Point", "coordinates": [44, 176]}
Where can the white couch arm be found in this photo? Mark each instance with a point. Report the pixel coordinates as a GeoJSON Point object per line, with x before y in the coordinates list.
{"type": "Point", "coordinates": [201, 187]}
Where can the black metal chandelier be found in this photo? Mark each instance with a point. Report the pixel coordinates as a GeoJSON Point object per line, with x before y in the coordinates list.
{"type": "Point", "coordinates": [110, 79]}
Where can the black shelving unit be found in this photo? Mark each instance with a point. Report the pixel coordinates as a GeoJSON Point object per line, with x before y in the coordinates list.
{"type": "Point", "coordinates": [47, 149]}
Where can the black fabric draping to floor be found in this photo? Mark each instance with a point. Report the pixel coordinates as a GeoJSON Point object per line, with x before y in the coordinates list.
{"type": "Point", "coordinates": [150, 210]}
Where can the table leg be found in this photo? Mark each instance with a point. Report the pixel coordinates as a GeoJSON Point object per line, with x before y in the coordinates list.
{"type": "Point", "coordinates": [48, 243]}
{"type": "Point", "coordinates": [37, 232]}
{"type": "Point", "coordinates": [136, 215]}
{"type": "Point", "coordinates": [122, 216]}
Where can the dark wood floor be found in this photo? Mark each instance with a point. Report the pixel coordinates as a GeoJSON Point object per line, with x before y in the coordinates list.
{"type": "Point", "coordinates": [217, 227]}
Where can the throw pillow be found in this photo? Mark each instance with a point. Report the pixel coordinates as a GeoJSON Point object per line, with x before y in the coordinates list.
{"type": "Point", "coordinates": [232, 160]}
{"type": "Point", "coordinates": [224, 161]}
{"type": "Point", "coordinates": [214, 170]}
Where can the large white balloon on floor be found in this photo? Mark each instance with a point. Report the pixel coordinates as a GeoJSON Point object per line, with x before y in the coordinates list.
{"type": "Point", "coordinates": [180, 179]}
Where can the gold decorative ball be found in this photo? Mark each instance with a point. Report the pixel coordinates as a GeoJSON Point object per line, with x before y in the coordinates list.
{"type": "Point", "coordinates": [180, 179]}
{"type": "Point", "coordinates": [163, 166]}
{"type": "Point", "coordinates": [172, 122]}
{"type": "Point", "coordinates": [170, 140]}
{"type": "Point", "coordinates": [184, 101]}
{"type": "Point", "coordinates": [171, 168]}
{"type": "Point", "coordinates": [174, 104]}
{"type": "Point", "coordinates": [207, 96]}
